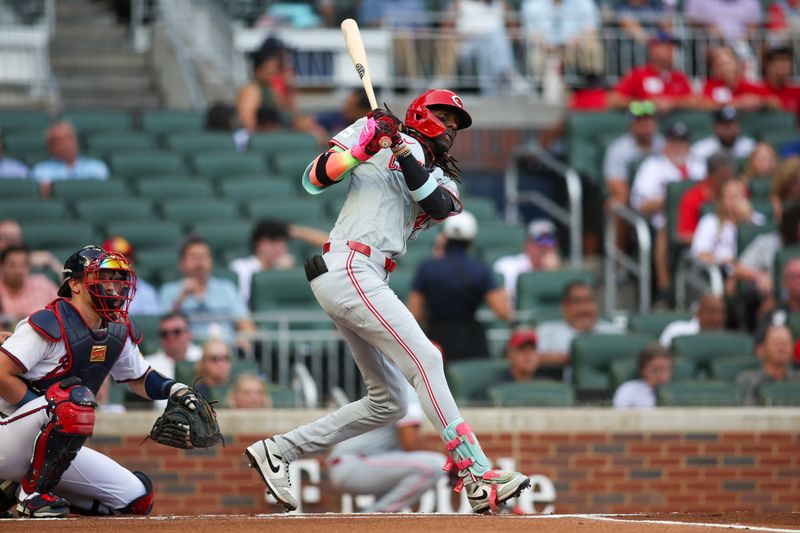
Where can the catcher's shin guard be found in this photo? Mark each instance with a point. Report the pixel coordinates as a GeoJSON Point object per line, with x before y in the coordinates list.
{"type": "Point", "coordinates": [71, 408]}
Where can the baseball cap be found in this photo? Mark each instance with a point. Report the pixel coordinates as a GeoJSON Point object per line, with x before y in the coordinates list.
{"type": "Point", "coordinates": [542, 232]}
{"type": "Point", "coordinates": [521, 338]}
{"type": "Point", "coordinates": [463, 227]}
{"type": "Point", "coordinates": [726, 114]}
{"type": "Point", "coordinates": [641, 109]}
{"type": "Point", "coordinates": [677, 130]}
{"type": "Point", "coordinates": [662, 36]}
{"type": "Point", "coordinates": [119, 245]}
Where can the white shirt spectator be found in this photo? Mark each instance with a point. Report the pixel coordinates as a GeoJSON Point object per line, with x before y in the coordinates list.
{"type": "Point", "coordinates": [679, 328]}
{"type": "Point", "coordinates": [621, 152]}
{"type": "Point", "coordinates": [705, 148]}
{"type": "Point", "coordinates": [556, 336]}
{"type": "Point", "coordinates": [510, 267]}
{"type": "Point", "coordinates": [634, 394]}
{"type": "Point", "coordinates": [245, 267]}
{"type": "Point", "coordinates": [165, 365]}
{"type": "Point", "coordinates": [559, 23]}
{"type": "Point", "coordinates": [718, 237]}
{"type": "Point", "coordinates": [653, 176]}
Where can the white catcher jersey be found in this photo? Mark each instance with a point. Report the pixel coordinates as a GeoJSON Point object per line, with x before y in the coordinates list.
{"type": "Point", "coordinates": [40, 357]}
{"type": "Point", "coordinates": [371, 213]}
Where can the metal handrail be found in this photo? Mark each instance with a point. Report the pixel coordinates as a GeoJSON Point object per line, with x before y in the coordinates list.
{"type": "Point", "coordinates": [304, 386]}
{"type": "Point", "coordinates": [702, 277]}
{"type": "Point", "coordinates": [167, 11]}
{"type": "Point", "coordinates": [640, 268]}
{"type": "Point", "coordinates": [572, 217]}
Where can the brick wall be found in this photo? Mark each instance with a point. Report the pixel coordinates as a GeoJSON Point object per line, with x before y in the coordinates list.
{"type": "Point", "coordinates": [599, 471]}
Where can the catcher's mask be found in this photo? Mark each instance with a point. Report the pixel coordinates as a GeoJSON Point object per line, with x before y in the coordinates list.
{"type": "Point", "coordinates": [108, 277]}
{"type": "Point", "coordinates": [420, 118]}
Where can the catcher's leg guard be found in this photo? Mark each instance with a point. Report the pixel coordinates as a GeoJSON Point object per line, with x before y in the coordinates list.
{"type": "Point", "coordinates": [144, 503]}
{"type": "Point", "coordinates": [71, 408]}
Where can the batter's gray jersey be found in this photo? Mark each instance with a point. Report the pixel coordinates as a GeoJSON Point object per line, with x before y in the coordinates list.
{"type": "Point", "coordinates": [371, 213]}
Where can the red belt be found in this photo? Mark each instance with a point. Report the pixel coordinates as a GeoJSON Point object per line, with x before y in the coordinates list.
{"type": "Point", "coordinates": [385, 262]}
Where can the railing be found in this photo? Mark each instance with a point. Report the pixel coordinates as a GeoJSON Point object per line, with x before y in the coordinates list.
{"type": "Point", "coordinates": [177, 16]}
{"type": "Point", "coordinates": [571, 217]}
{"type": "Point", "coordinates": [616, 257]}
{"type": "Point", "coordinates": [698, 276]}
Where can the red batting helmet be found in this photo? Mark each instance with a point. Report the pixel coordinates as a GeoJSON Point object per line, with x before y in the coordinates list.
{"type": "Point", "coordinates": [420, 118]}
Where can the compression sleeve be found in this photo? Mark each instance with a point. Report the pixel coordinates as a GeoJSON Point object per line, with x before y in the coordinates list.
{"type": "Point", "coordinates": [434, 199]}
{"type": "Point", "coordinates": [157, 386]}
{"type": "Point", "coordinates": [331, 167]}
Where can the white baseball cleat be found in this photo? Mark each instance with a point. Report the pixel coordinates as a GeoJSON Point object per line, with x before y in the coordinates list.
{"type": "Point", "coordinates": [493, 488]}
{"type": "Point", "coordinates": [266, 458]}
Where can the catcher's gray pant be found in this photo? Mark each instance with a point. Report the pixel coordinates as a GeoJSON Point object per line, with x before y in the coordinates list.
{"type": "Point", "coordinates": [397, 479]}
{"type": "Point", "coordinates": [91, 477]}
{"type": "Point", "coordinates": [388, 346]}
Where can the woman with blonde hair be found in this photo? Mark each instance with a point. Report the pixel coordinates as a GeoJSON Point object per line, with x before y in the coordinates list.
{"type": "Point", "coordinates": [785, 185]}
{"type": "Point", "coordinates": [248, 392]}
{"type": "Point", "coordinates": [760, 166]}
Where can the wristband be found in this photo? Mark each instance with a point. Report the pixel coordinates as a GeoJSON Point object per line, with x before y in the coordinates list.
{"type": "Point", "coordinates": [401, 150]}
{"type": "Point", "coordinates": [29, 397]}
{"type": "Point", "coordinates": [426, 190]}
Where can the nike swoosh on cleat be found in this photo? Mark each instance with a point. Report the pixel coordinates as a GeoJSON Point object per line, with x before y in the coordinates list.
{"type": "Point", "coordinates": [275, 468]}
{"type": "Point", "coordinates": [484, 494]}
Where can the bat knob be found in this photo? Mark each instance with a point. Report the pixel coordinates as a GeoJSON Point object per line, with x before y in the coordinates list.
{"type": "Point", "coordinates": [385, 142]}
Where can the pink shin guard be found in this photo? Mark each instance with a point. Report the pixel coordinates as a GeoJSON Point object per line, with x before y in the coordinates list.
{"type": "Point", "coordinates": [466, 454]}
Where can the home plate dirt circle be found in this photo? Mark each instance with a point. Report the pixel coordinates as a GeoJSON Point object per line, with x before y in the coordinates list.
{"type": "Point", "coordinates": [406, 523]}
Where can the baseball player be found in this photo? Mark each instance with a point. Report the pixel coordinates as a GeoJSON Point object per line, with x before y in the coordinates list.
{"type": "Point", "coordinates": [50, 370]}
{"type": "Point", "coordinates": [393, 194]}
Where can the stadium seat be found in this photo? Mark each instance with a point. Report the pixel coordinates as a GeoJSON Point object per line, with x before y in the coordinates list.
{"type": "Point", "coordinates": [496, 233]}
{"type": "Point", "coordinates": [469, 380]}
{"type": "Point", "coordinates": [23, 189]}
{"type": "Point", "coordinates": [699, 122]}
{"type": "Point", "coordinates": [756, 124]}
{"type": "Point", "coordinates": [149, 324]}
{"type": "Point", "coordinates": [99, 211]}
{"type": "Point", "coordinates": [257, 188]}
{"type": "Point", "coordinates": [293, 164]}
{"type": "Point", "coordinates": [400, 282]}
{"type": "Point", "coordinates": [780, 393]}
{"type": "Point", "coordinates": [69, 190]}
{"type": "Point", "coordinates": [17, 144]}
{"type": "Point", "coordinates": [23, 210]}
{"type": "Point", "coordinates": [746, 233]}
{"type": "Point", "coordinates": [223, 164]}
{"type": "Point", "coordinates": [108, 120]}
{"type": "Point", "coordinates": [760, 188]}
{"type": "Point", "coordinates": [282, 142]}
{"type": "Point", "coordinates": [698, 394]}
{"type": "Point", "coordinates": [540, 291]}
{"type": "Point", "coordinates": [538, 393]}
{"type": "Point", "coordinates": [490, 254]}
{"type": "Point", "coordinates": [154, 261]}
{"type": "Point", "coordinates": [783, 256]}
{"type": "Point", "coordinates": [141, 164]}
{"type": "Point", "coordinates": [704, 348]}
{"type": "Point", "coordinates": [793, 323]}
{"type": "Point", "coordinates": [46, 235]}
{"type": "Point", "coordinates": [653, 324]}
{"type": "Point", "coordinates": [623, 370]}
{"type": "Point", "coordinates": [299, 210]}
{"type": "Point", "coordinates": [13, 120]}
{"type": "Point", "coordinates": [592, 355]}
{"type": "Point", "coordinates": [728, 368]}
{"type": "Point", "coordinates": [583, 132]}
{"type": "Point", "coordinates": [168, 121]}
{"type": "Point", "coordinates": [146, 234]}
{"type": "Point", "coordinates": [413, 258]}
{"type": "Point", "coordinates": [777, 139]}
{"type": "Point", "coordinates": [193, 210]}
{"type": "Point", "coordinates": [189, 143]}
{"type": "Point", "coordinates": [121, 141]}
{"type": "Point", "coordinates": [481, 208]}
{"type": "Point", "coordinates": [672, 201]}
{"type": "Point", "coordinates": [222, 235]}
{"type": "Point", "coordinates": [183, 188]}
{"type": "Point", "coordinates": [282, 397]}
{"type": "Point", "coordinates": [281, 290]}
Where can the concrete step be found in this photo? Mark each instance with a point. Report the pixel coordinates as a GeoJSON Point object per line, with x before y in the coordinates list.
{"type": "Point", "coordinates": [94, 32]}
{"type": "Point", "coordinates": [64, 46]}
{"type": "Point", "coordinates": [82, 100]}
{"type": "Point", "coordinates": [109, 60]}
{"type": "Point", "coordinates": [104, 83]}
{"type": "Point", "coordinates": [80, 8]}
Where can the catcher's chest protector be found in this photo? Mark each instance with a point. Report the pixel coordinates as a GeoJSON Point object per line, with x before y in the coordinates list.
{"type": "Point", "coordinates": [90, 356]}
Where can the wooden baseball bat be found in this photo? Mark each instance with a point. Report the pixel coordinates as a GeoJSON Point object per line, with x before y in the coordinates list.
{"type": "Point", "coordinates": [355, 47]}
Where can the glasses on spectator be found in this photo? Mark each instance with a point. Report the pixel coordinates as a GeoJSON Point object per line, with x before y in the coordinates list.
{"type": "Point", "coordinates": [643, 108]}
{"type": "Point", "coordinates": [218, 357]}
{"type": "Point", "coordinates": [164, 333]}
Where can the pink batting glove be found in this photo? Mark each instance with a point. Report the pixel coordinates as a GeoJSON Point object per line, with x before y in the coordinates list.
{"type": "Point", "coordinates": [366, 146]}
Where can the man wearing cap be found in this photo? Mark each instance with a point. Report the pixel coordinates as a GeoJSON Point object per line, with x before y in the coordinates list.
{"type": "Point", "coordinates": [658, 80]}
{"type": "Point", "coordinates": [727, 136]}
{"type": "Point", "coordinates": [145, 302]}
{"type": "Point", "coordinates": [540, 252]}
{"type": "Point", "coordinates": [523, 357]}
{"type": "Point", "coordinates": [447, 291]}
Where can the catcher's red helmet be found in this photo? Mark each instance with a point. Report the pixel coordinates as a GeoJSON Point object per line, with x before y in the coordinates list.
{"type": "Point", "coordinates": [420, 118]}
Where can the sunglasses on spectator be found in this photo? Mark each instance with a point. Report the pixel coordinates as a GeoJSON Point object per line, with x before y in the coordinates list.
{"type": "Point", "coordinates": [216, 358]}
{"type": "Point", "coordinates": [164, 333]}
{"type": "Point", "coordinates": [644, 108]}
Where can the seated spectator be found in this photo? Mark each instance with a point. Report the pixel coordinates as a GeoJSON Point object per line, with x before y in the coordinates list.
{"type": "Point", "coordinates": [22, 293]}
{"type": "Point", "coordinates": [145, 300]}
{"type": "Point", "coordinates": [213, 304]}
{"type": "Point", "coordinates": [658, 81]}
{"type": "Point", "coordinates": [710, 316]}
{"type": "Point", "coordinates": [726, 85]}
{"type": "Point", "coordinates": [649, 192]}
{"type": "Point", "coordinates": [11, 234]}
{"type": "Point", "coordinates": [783, 20]}
{"type": "Point", "coordinates": [213, 372]}
{"type": "Point", "coordinates": [786, 185]}
{"type": "Point", "coordinates": [220, 117]}
{"type": "Point", "coordinates": [761, 165]}
{"type": "Point", "coordinates": [641, 19]}
{"type": "Point", "coordinates": [720, 168]}
{"type": "Point", "coordinates": [248, 392]}
{"type": "Point", "coordinates": [777, 73]}
{"type": "Point", "coordinates": [581, 315]}
{"type": "Point", "coordinates": [727, 136]}
{"type": "Point", "coordinates": [523, 357]}
{"type": "Point", "coordinates": [269, 244]}
{"type": "Point", "coordinates": [447, 291]}
{"type": "Point", "coordinates": [65, 163]}
{"type": "Point", "coordinates": [789, 303]}
{"type": "Point", "coordinates": [10, 167]}
{"type": "Point", "coordinates": [654, 368]}
{"type": "Point", "coordinates": [540, 252]}
{"type": "Point", "coordinates": [355, 106]}
{"type": "Point", "coordinates": [176, 346]}
{"type": "Point", "coordinates": [731, 20]}
{"type": "Point", "coordinates": [775, 353]}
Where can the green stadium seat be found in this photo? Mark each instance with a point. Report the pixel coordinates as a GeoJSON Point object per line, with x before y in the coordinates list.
{"type": "Point", "coordinates": [592, 355]}
{"type": "Point", "coordinates": [189, 143]}
{"type": "Point", "coordinates": [400, 282]}
{"type": "Point", "coordinates": [783, 256]}
{"type": "Point", "coordinates": [281, 290]}
{"type": "Point", "coordinates": [490, 254]}
{"type": "Point", "coordinates": [107, 120]}
{"type": "Point", "coordinates": [481, 208]}
{"type": "Point", "coordinates": [307, 211]}
{"type": "Point", "coordinates": [282, 142]}
{"type": "Point", "coordinates": [704, 348]}
{"type": "Point", "coordinates": [223, 164]}
{"type": "Point", "coordinates": [161, 121]}
{"type": "Point", "coordinates": [760, 188]}
{"type": "Point", "coordinates": [758, 123]}
{"type": "Point", "coordinates": [69, 190]}
{"type": "Point", "coordinates": [13, 120]}
{"type": "Point", "coordinates": [495, 233]}
{"type": "Point", "coordinates": [140, 164]}
{"type": "Point", "coordinates": [31, 157]}
{"type": "Point", "coordinates": [293, 164]}
{"type": "Point", "coordinates": [583, 136]}
{"type": "Point", "coordinates": [46, 235]}
{"type": "Point", "coordinates": [780, 393]}
{"type": "Point", "coordinates": [699, 123]}
{"type": "Point", "coordinates": [747, 233]}
{"type": "Point", "coordinates": [149, 325]}
{"type": "Point", "coordinates": [698, 394]}
{"type": "Point", "coordinates": [120, 142]}
{"type": "Point", "coordinates": [413, 258]}
{"type": "Point", "coordinates": [469, 380]}
{"type": "Point", "coordinates": [223, 235]}
{"type": "Point", "coordinates": [192, 210]}
{"type": "Point", "coordinates": [282, 396]}
{"type": "Point", "coordinates": [147, 234]}
{"type": "Point", "coordinates": [728, 368]}
{"type": "Point", "coordinates": [623, 370]}
{"type": "Point", "coordinates": [17, 144]}
{"type": "Point", "coordinates": [675, 192]}
{"type": "Point", "coordinates": [777, 139]}
{"type": "Point", "coordinates": [183, 188]}
{"type": "Point", "coordinates": [99, 211]}
{"type": "Point", "coordinates": [22, 189]}
{"type": "Point", "coordinates": [793, 323]}
{"type": "Point", "coordinates": [33, 210]}
{"type": "Point", "coordinates": [540, 291]}
{"type": "Point", "coordinates": [653, 324]}
{"type": "Point", "coordinates": [257, 188]}
{"type": "Point", "coordinates": [532, 394]}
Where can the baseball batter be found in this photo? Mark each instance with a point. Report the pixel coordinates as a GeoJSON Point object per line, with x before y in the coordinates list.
{"type": "Point", "coordinates": [50, 370]}
{"type": "Point", "coordinates": [393, 194]}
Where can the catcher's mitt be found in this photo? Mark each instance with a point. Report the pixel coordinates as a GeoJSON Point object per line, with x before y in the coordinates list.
{"type": "Point", "coordinates": [189, 421]}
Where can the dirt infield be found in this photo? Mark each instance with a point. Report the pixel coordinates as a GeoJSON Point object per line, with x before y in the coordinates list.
{"type": "Point", "coordinates": [405, 523]}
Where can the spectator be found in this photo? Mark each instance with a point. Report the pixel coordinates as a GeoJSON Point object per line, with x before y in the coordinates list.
{"type": "Point", "coordinates": [176, 344]}
{"type": "Point", "coordinates": [566, 28]}
{"type": "Point", "coordinates": [710, 316]}
{"type": "Point", "coordinates": [761, 165]}
{"type": "Point", "coordinates": [720, 168]}
{"type": "Point", "coordinates": [775, 353]}
{"type": "Point", "coordinates": [654, 368]}
{"type": "Point", "coordinates": [447, 291]}
{"type": "Point", "coordinates": [269, 244]}
{"type": "Point", "coordinates": [213, 304]}
{"type": "Point", "coordinates": [649, 191]}
{"type": "Point", "coordinates": [727, 136]}
{"type": "Point", "coordinates": [355, 105]}
{"type": "Point", "coordinates": [640, 19]}
{"type": "Point", "coordinates": [786, 185]}
{"type": "Point", "coordinates": [145, 301]}
{"type": "Point", "coordinates": [248, 392]}
{"type": "Point", "coordinates": [22, 293]}
{"type": "Point", "coordinates": [523, 357]}
{"type": "Point", "coordinates": [731, 20]}
{"type": "Point", "coordinates": [778, 67]}
{"type": "Point", "coordinates": [11, 234]}
{"type": "Point", "coordinates": [658, 81]}
{"type": "Point", "coordinates": [726, 84]}
{"type": "Point", "coordinates": [540, 252]}
{"type": "Point", "coordinates": [65, 163]}
{"type": "Point", "coordinates": [214, 370]}
{"type": "Point", "coordinates": [581, 315]}
{"type": "Point", "coordinates": [10, 167]}
{"type": "Point", "coordinates": [220, 117]}
{"type": "Point", "coordinates": [789, 303]}
{"type": "Point", "coordinates": [783, 20]}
